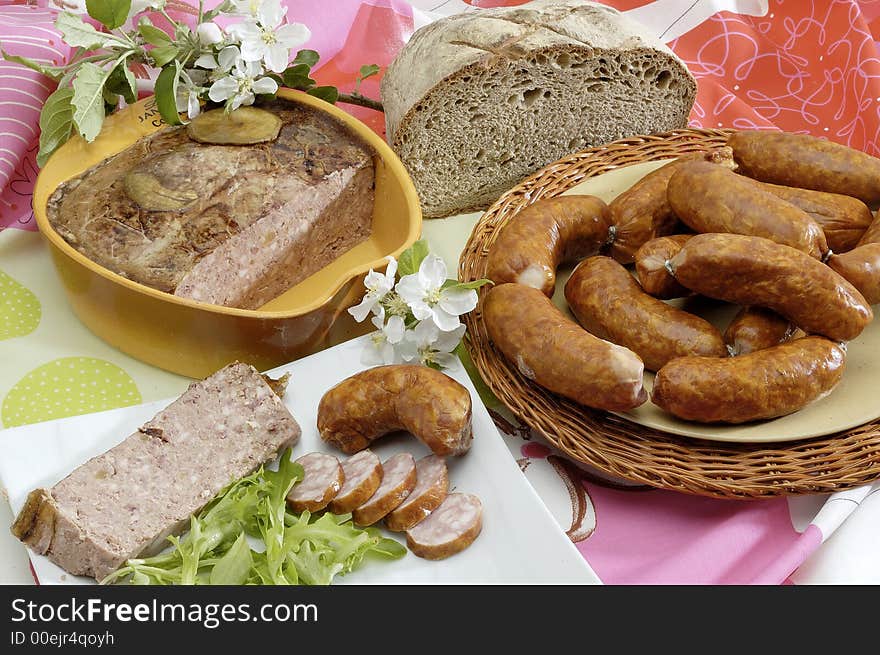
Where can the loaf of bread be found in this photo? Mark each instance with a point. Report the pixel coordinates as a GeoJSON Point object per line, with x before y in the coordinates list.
{"type": "Point", "coordinates": [226, 222]}
{"type": "Point", "coordinates": [477, 101]}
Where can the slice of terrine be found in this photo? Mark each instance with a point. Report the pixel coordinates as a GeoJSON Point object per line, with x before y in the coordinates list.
{"type": "Point", "coordinates": [125, 503]}
{"type": "Point", "coordinates": [226, 224]}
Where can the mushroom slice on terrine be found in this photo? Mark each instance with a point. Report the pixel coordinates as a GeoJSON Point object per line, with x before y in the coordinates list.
{"type": "Point", "coordinates": [124, 503]}
{"type": "Point", "coordinates": [224, 222]}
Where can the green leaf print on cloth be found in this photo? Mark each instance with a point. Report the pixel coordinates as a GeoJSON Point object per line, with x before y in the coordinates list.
{"type": "Point", "coordinates": [67, 387]}
{"type": "Point", "coordinates": [19, 309]}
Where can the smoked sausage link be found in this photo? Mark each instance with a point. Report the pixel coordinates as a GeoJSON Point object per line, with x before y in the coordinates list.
{"type": "Point", "coordinates": [755, 271]}
{"type": "Point", "coordinates": [651, 266]}
{"type": "Point", "coordinates": [423, 401]}
{"type": "Point", "coordinates": [710, 198]}
{"type": "Point", "coordinates": [545, 234]}
{"type": "Point", "coordinates": [763, 385]}
{"type": "Point", "coordinates": [610, 304]}
{"type": "Point", "coordinates": [861, 268]}
{"type": "Point", "coordinates": [756, 328]}
{"type": "Point", "coordinates": [642, 212]}
{"type": "Point", "coordinates": [808, 162]}
{"type": "Point", "coordinates": [843, 219]}
{"type": "Point", "coordinates": [556, 353]}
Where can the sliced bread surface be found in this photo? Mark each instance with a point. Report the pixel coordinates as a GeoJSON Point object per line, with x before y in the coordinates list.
{"type": "Point", "coordinates": [476, 102]}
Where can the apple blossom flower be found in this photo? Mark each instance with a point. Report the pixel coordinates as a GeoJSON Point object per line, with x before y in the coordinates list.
{"type": "Point", "coordinates": [424, 292]}
{"type": "Point", "coordinates": [380, 349]}
{"type": "Point", "coordinates": [429, 345]}
{"type": "Point", "coordinates": [189, 92]}
{"type": "Point", "coordinates": [209, 33]}
{"type": "Point", "coordinates": [378, 285]}
{"type": "Point", "coordinates": [239, 85]}
{"type": "Point", "coordinates": [264, 38]}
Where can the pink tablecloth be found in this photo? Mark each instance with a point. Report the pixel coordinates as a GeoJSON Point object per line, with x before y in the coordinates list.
{"type": "Point", "coordinates": [799, 65]}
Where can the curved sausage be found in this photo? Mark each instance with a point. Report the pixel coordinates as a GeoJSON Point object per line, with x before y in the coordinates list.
{"type": "Point", "coordinates": [610, 304]}
{"type": "Point", "coordinates": [398, 480]}
{"type": "Point", "coordinates": [432, 482]}
{"type": "Point", "coordinates": [322, 481]}
{"type": "Point", "coordinates": [449, 529]}
{"type": "Point", "coordinates": [843, 219]}
{"type": "Point", "coordinates": [861, 268]}
{"type": "Point", "coordinates": [558, 354]}
{"type": "Point", "coordinates": [808, 162]}
{"type": "Point", "coordinates": [762, 385]}
{"type": "Point", "coordinates": [872, 234]}
{"type": "Point", "coordinates": [755, 271]}
{"type": "Point", "coordinates": [710, 198]}
{"type": "Point", "coordinates": [538, 239]}
{"type": "Point", "coordinates": [423, 401]}
{"type": "Point", "coordinates": [642, 212]}
{"type": "Point", "coordinates": [363, 475]}
{"type": "Point", "coordinates": [756, 328]}
{"type": "Point", "coordinates": [651, 266]}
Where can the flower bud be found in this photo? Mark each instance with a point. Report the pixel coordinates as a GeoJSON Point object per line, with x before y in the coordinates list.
{"type": "Point", "coordinates": [209, 33]}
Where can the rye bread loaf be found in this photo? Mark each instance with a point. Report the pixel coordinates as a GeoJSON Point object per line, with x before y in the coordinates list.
{"type": "Point", "coordinates": [125, 502]}
{"type": "Point", "coordinates": [265, 215]}
{"type": "Point", "coordinates": [477, 101]}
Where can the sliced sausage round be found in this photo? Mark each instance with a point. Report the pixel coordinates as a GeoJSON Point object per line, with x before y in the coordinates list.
{"type": "Point", "coordinates": [449, 529]}
{"type": "Point", "coordinates": [322, 481]}
{"type": "Point", "coordinates": [363, 475]}
{"type": "Point", "coordinates": [432, 482]}
{"type": "Point", "coordinates": [398, 480]}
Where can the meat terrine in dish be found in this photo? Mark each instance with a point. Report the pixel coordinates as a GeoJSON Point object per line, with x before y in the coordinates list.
{"type": "Point", "coordinates": [125, 503]}
{"type": "Point", "coordinates": [232, 225]}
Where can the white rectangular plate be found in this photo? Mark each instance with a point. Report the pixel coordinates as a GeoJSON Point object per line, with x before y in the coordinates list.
{"type": "Point", "coordinates": [521, 543]}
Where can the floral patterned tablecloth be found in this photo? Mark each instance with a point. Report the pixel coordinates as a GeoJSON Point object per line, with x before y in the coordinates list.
{"type": "Point", "coordinates": [798, 65]}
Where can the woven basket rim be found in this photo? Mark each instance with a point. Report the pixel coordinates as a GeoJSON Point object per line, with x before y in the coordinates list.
{"type": "Point", "coordinates": [844, 460]}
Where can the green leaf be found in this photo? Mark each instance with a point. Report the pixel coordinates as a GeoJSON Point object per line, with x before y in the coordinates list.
{"type": "Point", "coordinates": [122, 82]}
{"type": "Point", "coordinates": [166, 95]}
{"type": "Point", "coordinates": [466, 286]}
{"type": "Point", "coordinates": [111, 13]}
{"type": "Point", "coordinates": [327, 93]}
{"type": "Point", "coordinates": [79, 34]}
{"type": "Point", "coordinates": [153, 35]}
{"type": "Point", "coordinates": [297, 77]}
{"type": "Point", "coordinates": [54, 72]}
{"type": "Point", "coordinates": [368, 71]}
{"type": "Point", "coordinates": [411, 258]}
{"type": "Point", "coordinates": [88, 99]}
{"type": "Point", "coordinates": [56, 123]}
{"type": "Point", "coordinates": [307, 57]}
{"type": "Point", "coordinates": [235, 566]}
{"type": "Point", "coordinates": [163, 54]}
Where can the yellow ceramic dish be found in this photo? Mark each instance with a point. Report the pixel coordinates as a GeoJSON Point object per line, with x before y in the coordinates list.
{"type": "Point", "coordinates": [193, 338]}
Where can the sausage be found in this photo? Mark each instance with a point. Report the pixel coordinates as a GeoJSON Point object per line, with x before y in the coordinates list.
{"type": "Point", "coordinates": [610, 304]}
{"type": "Point", "coordinates": [642, 212]}
{"type": "Point", "coordinates": [754, 271]}
{"type": "Point", "coordinates": [548, 348]}
{"type": "Point", "coordinates": [432, 482]}
{"type": "Point", "coordinates": [872, 234]}
{"type": "Point", "coordinates": [398, 480]}
{"type": "Point", "coordinates": [363, 475]}
{"type": "Point", "coordinates": [808, 162]}
{"type": "Point", "coordinates": [756, 328]}
{"type": "Point", "coordinates": [423, 401]}
{"type": "Point", "coordinates": [843, 219]}
{"type": "Point", "coordinates": [449, 529]}
{"type": "Point", "coordinates": [322, 481]}
{"type": "Point", "coordinates": [861, 268]}
{"type": "Point", "coordinates": [651, 266]}
{"type": "Point", "coordinates": [762, 385]}
{"type": "Point", "coordinates": [709, 198]}
{"type": "Point", "coordinates": [543, 235]}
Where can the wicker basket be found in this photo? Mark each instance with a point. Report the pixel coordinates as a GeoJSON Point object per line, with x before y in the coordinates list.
{"type": "Point", "coordinates": [620, 447]}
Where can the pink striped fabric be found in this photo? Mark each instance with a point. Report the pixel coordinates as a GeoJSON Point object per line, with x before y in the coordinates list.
{"type": "Point", "coordinates": [26, 30]}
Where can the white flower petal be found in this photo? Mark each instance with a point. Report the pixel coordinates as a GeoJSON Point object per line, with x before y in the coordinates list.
{"type": "Point", "coordinates": [209, 33]}
{"type": "Point", "coordinates": [444, 320]}
{"type": "Point", "coordinates": [394, 329]}
{"type": "Point", "coordinates": [276, 58]}
{"type": "Point", "coordinates": [432, 272]}
{"type": "Point", "coordinates": [360, 311]}
{"type": "Point", "coordinates": [194, 107]}
{"type": "Point", "coordinates": [206, 61]}
{"type": "Point", "coordinates": [447, 341]}
{"type": "Point", "coordinates": [458, 301]}
{"type": "Point", "coordinates": [228, 57]}
{"type": "Point", "coordinates": [223, 89]}
{"type": "Point", "coordinates": [410, 289]}
{"type": "Point", "coordinates": [252, 50]}
{"type": "Point", "coordinates": [391, 269]}
{"type": "Point", "coordinates": [266, 85]}
{"type": "Point", "coordinates": [270, 14]}
{"type": "Point", "coordinates": [293, 35]}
